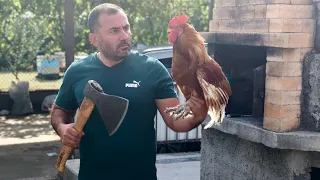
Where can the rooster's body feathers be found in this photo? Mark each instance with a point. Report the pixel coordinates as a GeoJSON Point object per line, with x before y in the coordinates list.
{"type": "Point", "coordinates": [197, 74]}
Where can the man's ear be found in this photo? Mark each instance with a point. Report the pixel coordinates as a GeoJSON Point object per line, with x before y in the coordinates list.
{"type": "Point", "coordinates": [93, 39]}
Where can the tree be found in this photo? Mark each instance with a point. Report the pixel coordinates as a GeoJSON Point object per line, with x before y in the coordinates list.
{"type": "Point", "coordinates": [21, 39]}
{"type": "Point", "coordinates": [148, 20]}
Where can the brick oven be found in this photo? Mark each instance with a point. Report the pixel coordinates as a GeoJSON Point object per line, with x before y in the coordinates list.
{"type": "Point", "coordinates": [268, 49]}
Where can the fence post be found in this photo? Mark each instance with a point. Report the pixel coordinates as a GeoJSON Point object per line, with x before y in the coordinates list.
{"type": "Point", "coordinates": [69, 43]}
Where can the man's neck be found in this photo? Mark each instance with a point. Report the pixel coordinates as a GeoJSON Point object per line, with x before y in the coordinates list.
{"type": "Point", "coordinates": [106, 61]}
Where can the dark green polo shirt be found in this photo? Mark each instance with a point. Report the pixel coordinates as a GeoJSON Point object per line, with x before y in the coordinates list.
{"type": "Point", "coordinates": [131, 152]}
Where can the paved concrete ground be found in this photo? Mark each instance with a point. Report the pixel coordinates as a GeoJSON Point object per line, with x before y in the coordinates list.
{"type": "Point", "coordinates": [178, 166]}
{"type": "Point", "coordinates": [24, 144]}
{"type": "Point", "coordinates": [28, 143]}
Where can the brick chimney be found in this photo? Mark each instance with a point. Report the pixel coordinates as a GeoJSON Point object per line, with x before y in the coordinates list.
{"type": "Point", "coordinates": [287, 29]}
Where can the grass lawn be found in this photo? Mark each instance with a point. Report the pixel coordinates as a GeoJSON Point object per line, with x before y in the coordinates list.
{"type": "Point", "coordinates": [34, 82]}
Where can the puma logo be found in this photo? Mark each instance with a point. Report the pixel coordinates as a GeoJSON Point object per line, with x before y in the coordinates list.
{"type": "Point", "coordinates": [138, 83]}
{"type": "Point", "coordinates": [135, 84]}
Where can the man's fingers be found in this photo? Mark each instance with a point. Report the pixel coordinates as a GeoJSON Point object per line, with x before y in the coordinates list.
{"type": "Point", "coordinates": [75, 133]}
{"type": "Point", "coordinates": [194, 102]}
{"type": "Point", "coordinates": [70, 140]}
{"type": "Point", "coordinates": [73, 138]}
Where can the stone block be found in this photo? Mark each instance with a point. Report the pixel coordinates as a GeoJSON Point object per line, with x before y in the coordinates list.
{"type": "Point", "coordinates": [226, 3]}
{"type": "Point", "coordinates": [278, 1]}
{"type": "Point", "coordinates": [260, 11]}
{"type": "Point", "coordinates": [224, 13]}
{"type": "Point", "coordinates": [257, 2]}
{"type": "Point", "coordinates": [286, 69]}
{"type": "Point", "coordinates": [254, 25]}
{"type": "Point", "coordinates": [283, 83]}
{"type": "Point", "coordinates": [283, 97]}
{"type": "Point", "coordinates": [275, 25]}
{"type": "Point", "coordinates": [242, 2]}
{"type": "Point", "coordinates": [219, 3]}
{"type": "Point", "coordinates": [289, 1]}
{"type": "Point", "coordinates": [300, 40]}
{"type": "Point", "coordinates": [292, 55]}
{"type": "Point", "coordinates": [292, 25]}
{"type": "Point", "coordinates": [301, 1]}
{"type": "Point", "coordinates": [286, 54]}
{"type": "Point", "coordinates": [282, 124]}
{"type": "Point", "coordinates": [276, 40]}
{"type": "Point", "coordinates": [289, 11]}
{"type": "Point", "coordinates": [229, 25]}
{"type": "Point", "coordinates": [274, 54]}
{"type": "Point", "coordinates": [245, 12]}
{"type": "Point", "coordinates": [214, 25]}
{"type": "Point", "coordinates": [288, 40]}
{"type": "Point", "coordinates": [281, 111]}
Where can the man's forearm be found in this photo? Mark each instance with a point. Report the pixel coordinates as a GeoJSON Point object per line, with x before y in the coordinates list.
{"type": "Point", "coordinates": [186, 124]}
{"type": "Point", "coordinates": [60, 116]}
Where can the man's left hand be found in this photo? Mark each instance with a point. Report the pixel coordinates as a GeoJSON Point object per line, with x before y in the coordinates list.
{"type": "Point", "coordinates": [198, 108]}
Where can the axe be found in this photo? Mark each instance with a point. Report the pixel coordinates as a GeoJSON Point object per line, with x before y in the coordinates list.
{"type": "Point", "coordinates": [112, 110]}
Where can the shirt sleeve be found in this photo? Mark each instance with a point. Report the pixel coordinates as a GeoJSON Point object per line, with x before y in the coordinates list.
{"type": "Point", "coordinates": [66, 97]}
{"type": "Point", "coordinates": [165, 86]}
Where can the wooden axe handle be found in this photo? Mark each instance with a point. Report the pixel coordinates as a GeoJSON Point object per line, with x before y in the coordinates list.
{"type": "Point", "coordinates": [83, 114]}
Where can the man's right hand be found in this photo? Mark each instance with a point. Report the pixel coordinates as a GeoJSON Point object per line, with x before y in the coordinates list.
{"type": "Point", "coordinates": [70, 136]}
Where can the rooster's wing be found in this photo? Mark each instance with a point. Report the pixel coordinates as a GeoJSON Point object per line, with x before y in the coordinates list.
{"type": "Point", "coordinates": [216, 90]}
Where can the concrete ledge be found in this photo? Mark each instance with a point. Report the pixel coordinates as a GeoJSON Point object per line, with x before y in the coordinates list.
{"type": "Point", "coordinates": [281, 40]}
{"type": "Point", "coordinates": [251, 129]}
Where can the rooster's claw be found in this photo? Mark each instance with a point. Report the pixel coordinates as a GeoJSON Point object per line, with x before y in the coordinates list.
{"type": "Point", "coordinates": [178, 111]}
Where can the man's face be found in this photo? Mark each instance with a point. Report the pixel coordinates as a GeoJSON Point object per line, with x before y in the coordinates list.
{"type": "Point", "coordinates": [114, 36]}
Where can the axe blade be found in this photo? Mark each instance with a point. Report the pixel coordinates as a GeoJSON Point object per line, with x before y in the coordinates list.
{"type": "Point", "coordinates": [112, 108]}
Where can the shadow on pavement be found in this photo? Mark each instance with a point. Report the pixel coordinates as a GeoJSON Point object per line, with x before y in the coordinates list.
{"type": "Point", "coordinates": [28, 148]}
{"type": "Point", "coordinates": [24, 127]}
{"type": "Point", "coordinates": [33, 161]}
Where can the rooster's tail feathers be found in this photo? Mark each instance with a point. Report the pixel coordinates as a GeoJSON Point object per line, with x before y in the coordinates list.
{"type": "Point", "coordinates": [216, 100]}
{"type": "Point", "coordinates": [216, 116]}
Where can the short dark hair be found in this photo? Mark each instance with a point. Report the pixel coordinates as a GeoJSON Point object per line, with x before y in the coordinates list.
{"type": "Point", "coordinates": [107, 8]}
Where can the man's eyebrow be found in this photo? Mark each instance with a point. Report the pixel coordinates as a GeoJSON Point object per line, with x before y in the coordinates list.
{"type": "Point", "coordinates": [118, 27]}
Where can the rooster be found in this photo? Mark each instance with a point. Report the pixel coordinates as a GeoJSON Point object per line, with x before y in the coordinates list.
{"type": "Point", "coordinates": [195, 72]}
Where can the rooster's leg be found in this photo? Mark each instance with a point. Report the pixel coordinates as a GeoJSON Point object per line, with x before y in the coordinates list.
{"type": "Point", "coordinates": [178, 111]}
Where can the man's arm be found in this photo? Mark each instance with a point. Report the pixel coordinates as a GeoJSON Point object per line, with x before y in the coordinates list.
{"type": "Point", "coordinates": [188, 123]}
{"type": "Point", "coordinates": [60, 116]}
{"type": "Point", "coordinates": [62, 122]}
{"type": "Point", "coordinates": [64, 109]}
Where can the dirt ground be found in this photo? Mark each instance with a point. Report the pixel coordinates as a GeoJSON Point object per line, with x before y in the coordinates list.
{"type": "Point", "coordinates": [28, 148]}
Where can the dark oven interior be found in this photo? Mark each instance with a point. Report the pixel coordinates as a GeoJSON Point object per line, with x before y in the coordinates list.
{"type": "Point", "coordinates": [244, 67]}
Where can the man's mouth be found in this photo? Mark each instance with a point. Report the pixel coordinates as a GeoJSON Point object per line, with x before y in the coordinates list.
{"type": "Point", "coordinates": [124, 46]}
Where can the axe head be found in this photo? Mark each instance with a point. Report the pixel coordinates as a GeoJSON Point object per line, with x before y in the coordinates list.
{"type": "Point", "coordinates": [112, 108]}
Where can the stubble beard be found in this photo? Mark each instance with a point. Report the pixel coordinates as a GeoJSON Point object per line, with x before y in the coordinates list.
{"type": "Point", "coordinates": [118, 53]}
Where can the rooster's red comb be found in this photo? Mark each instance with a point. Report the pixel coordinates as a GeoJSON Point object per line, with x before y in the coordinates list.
{"type": "Point", "coordinates": [182, 19]}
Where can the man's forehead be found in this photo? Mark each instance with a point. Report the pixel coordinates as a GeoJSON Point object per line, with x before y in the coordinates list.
{"type": "Point", "coordinates": [116, 20]}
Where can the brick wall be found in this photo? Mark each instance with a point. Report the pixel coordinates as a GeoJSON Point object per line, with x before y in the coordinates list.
{"type": "Point", "coordinates": [287, 28]}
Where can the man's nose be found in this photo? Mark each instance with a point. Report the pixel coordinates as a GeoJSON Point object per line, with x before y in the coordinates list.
{"type": "Point", "coordinates": [125, 35]}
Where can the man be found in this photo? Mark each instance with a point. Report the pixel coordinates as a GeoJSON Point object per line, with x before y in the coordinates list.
{"type": "Point", "coordinates": [131, 152]}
